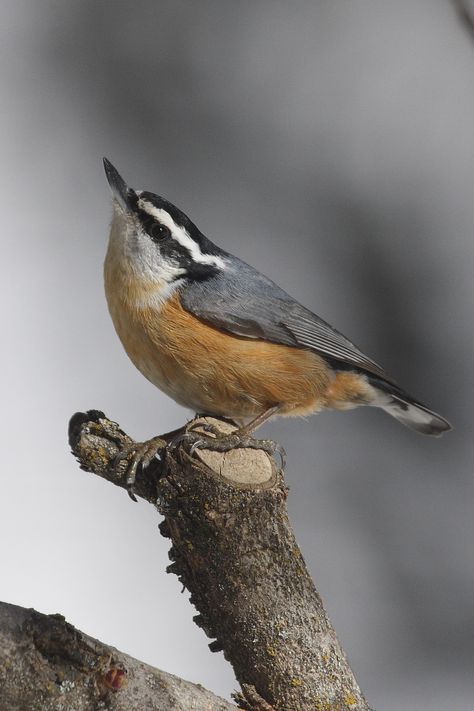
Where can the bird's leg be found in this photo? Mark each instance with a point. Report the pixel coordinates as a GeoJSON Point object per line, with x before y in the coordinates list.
{"type": "Point", "coordinates": [239, 439]}
{"type": "Point", "coordinates": [260, 419]}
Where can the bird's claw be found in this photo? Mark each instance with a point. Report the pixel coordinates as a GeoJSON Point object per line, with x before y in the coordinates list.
{"type": "Point", "coordinates": [191, 435]}
{"type": "Point", "coordinates": [134, 454]}
{"type": "Point", "coordinates": [208, 436]}
{"type": "Point", "coordinates": [226, 442]}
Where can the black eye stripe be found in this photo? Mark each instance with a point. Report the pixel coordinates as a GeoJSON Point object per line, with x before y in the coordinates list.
{"type": "Point", "coordinates": [180, 219]}
{"type": "Point", "coordinates": [170, 249]}
{"type": "Point", "coordinates": [155, 229]}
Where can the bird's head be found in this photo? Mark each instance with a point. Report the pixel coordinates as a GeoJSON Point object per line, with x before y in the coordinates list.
{"type": "Point", "coordinates": [159, 241]}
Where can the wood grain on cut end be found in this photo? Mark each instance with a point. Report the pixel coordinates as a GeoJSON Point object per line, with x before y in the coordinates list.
{"type": "Point", "coordinates": [241, 467]}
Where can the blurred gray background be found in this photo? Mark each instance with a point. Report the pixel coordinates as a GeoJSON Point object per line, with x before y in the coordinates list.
{"type": "Point", "coordinates": [331, 145]}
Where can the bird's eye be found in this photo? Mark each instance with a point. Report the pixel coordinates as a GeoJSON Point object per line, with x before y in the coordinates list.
{"type": "Point", "coordinates": [158, 232]}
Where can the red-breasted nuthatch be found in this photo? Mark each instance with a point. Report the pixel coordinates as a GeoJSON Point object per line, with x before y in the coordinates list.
{"type": "Point", "coordinates": [221, 338]}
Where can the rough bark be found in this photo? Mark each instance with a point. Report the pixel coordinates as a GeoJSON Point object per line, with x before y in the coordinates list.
{"type": "Point", "coordinates": [48, 665]}
{"type": "Point", "coordinates": [234, 549]}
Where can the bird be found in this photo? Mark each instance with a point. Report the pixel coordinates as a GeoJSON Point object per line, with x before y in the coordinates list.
{"type": "Point", "coordinates": [221, 338]}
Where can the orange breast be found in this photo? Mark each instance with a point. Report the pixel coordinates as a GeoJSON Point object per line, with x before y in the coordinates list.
{"type": "Point", "coordinates": [215, 372]}
{"type": "Point", "coordinates": [231, 375]}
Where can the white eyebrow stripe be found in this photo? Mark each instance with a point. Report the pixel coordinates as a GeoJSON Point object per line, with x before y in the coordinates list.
{"type": "Point", "coordinates": [181, 235]}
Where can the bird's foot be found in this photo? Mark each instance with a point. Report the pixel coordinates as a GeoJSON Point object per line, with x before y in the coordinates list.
{"type": "Point", "coordinates": [215, 441]}
{"type": "Point", "coordinates": [134, 454]}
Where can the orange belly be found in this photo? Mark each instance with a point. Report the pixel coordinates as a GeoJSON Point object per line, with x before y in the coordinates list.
{"type": "Point", "coordinates": [211, 371]}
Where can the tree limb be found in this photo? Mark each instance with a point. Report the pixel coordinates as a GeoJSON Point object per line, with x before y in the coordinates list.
{"type": "Point", "coordinates": [48, 665]}
{"type": "Point", "coordinates": [234, 549]}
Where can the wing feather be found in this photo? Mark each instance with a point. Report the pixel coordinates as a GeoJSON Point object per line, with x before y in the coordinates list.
{"type": "Point", "coordinates": [242, 301]}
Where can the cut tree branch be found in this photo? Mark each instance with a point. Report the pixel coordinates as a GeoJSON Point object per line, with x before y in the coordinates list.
{"type": "Point", "coordinates": [48, 665]}
{"type": "Point", "coordinates": [234, 549]}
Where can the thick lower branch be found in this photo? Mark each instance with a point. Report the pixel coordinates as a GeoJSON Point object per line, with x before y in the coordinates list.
{"type": "Point", "coordinates": [48, 665]}
{"type": "Point", "coordinates": [234, 549]}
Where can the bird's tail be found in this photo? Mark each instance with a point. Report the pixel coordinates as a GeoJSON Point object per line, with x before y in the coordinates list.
{"type": "Point", "coordinates": [406, 410]}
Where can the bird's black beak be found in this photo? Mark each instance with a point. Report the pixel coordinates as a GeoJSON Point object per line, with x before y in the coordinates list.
{"type": "Point", "coordinates": [125, 196]}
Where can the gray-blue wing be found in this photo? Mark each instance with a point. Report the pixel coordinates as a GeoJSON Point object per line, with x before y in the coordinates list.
{"type": "Point", "coordinates": [243, 301]}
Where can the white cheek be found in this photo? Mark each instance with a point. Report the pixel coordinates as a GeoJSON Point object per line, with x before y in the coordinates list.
{"type": "Point", "coordinates": [157, 297]}
{"type": "Point", "coordinates": [124, 232]}
{"type": "Point", "coordinates": [152, 265]}
{"type": "Point", "coordinates": [164, 270]}
{"type": "Point", "coordinates": [136, 248]}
